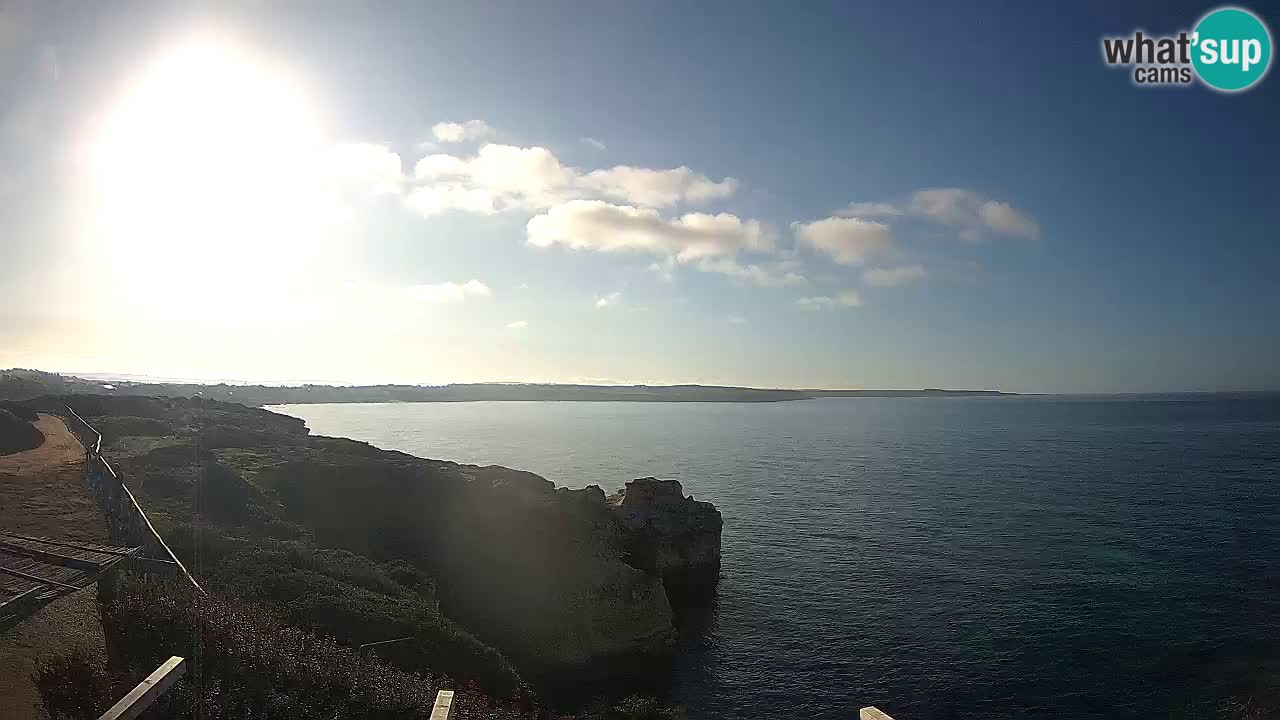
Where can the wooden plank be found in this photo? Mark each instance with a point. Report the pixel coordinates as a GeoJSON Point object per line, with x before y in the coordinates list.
{"type": "Point", "coordinates": [8, 544]}
{"type": "Point", "coordinates": [21, 598]}
{"type": "Point", "coordinates": [41, 569]}
{"type": "Point", "coordinates": [444, 705]}
{"type": "Point", "coordinates": [141, 697]}
{"type": "Point", "coordinates": [37, 578]}
{"type": "Point", "coordinates": [871, 712]}
{"type": "Point", "coordinates": [20, 607]}
{"type": "Point", "coordinates": [88, 547]}
{"type": "Point", "coordinates": [51, 557]}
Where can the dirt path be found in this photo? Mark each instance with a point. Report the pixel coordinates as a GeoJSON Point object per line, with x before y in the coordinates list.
{"type": "Point", "coordinates": [42, 492]}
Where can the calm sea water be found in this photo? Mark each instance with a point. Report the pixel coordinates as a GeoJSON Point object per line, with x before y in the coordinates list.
{"type": "Point", "coordinates": [940, 558]}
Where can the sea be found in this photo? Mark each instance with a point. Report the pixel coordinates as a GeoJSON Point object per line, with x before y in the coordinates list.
{"type": "Point", "coordinates": [969, 557]}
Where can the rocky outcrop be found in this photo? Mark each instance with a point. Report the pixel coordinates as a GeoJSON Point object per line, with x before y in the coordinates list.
{"type": "Point", "coordinates": [674, 537]}
{"type": "Point", "coordinates": [539, 571]}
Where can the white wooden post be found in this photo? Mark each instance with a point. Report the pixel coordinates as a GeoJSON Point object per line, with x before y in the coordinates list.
{"type": "Point", "coordinates": [444, 705]}
{"type": "Point", "coordinates": [139, 698]}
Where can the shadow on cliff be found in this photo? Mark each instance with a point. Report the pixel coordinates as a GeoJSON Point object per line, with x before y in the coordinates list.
{"type": "Point", "coordinates": [614, 678]}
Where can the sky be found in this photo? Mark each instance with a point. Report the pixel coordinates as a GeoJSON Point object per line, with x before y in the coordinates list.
{"type": "Point", "coordinates": [852, 195]}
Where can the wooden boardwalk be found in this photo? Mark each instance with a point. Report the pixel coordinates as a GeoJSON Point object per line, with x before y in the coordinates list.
{"type": "Point", "coordinates": [35, 571]}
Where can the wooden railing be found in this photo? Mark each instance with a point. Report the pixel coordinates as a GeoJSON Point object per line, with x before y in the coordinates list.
{"type": "Point", "coordinates": [152, 687]}
{"type": "Point", "coordinates": [155, 685]}
{"type": "Point", "coordinates": [125, 515]}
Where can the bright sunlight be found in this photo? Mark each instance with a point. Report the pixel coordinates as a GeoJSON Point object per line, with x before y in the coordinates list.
{"type": "Point", "coordinates": [205, 161]}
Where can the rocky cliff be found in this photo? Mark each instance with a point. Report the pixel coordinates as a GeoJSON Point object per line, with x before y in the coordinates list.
{"type": "Point", "coordinates": [672, 536]}
{"type": "Point", "coordinates": [550, 577]}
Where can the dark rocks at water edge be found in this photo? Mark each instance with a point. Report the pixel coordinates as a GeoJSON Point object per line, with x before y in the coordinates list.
{"type": "Point", "coordinates": [548, 576]}
{"type": "Point", "coordinates": [670, 535]}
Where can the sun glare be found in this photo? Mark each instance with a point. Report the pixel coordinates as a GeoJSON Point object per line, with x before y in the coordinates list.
{"type": "Point", "coordinates": [205, 162]}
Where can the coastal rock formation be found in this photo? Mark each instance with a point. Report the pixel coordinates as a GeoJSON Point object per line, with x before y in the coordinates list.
{"type": "Point", "coordinates": [550, 578]}
{"type": "Point", "coordinates": [674, 537]}
{"type": "Point", "coordinates": [534, 571]}
{"type": "Point", "coordinates": [539, 571]}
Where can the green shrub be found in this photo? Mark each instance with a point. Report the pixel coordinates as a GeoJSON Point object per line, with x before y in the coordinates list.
{"type": "Point", "coordinates": [348, 597]}
{"type": "Point", "coordinates": [118, 426]}
{"type": "Point", "coordinates": [19, 410]}
{"type": "Point", "coordinates": [245, 662]}
{"type": "Point", "coordinates": [73, 687]}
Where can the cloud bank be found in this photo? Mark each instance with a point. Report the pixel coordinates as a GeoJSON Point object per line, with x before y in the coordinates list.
{"type": "Point", "coordinates": [662, 213]}
{"type": "Point", "coordinates": [449, 292]}
{"type": "Point", "coordinates": [972, 213]}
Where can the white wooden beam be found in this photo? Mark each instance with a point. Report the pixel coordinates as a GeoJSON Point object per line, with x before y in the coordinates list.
{"type": "Point", "coordinates": [444, 705]}
{"type": "Point", "coordinates": [141, 697]}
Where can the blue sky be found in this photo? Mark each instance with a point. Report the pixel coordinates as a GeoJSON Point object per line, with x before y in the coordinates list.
{"type": "Point", "coordinates": [834, 194]}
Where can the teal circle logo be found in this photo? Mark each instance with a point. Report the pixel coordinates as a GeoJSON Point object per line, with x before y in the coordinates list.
{"type": "Point", "coordinates": [1231, 49]}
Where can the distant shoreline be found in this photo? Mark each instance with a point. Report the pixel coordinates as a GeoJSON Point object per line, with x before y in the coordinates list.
{"type": "Point", "coordinates": [17, 384]}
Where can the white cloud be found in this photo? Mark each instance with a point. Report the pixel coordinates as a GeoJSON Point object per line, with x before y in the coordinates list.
{"type": "Point", "coordinates": [602, 227]}
{"type": "Point", "coordinates": [475, 287]}
{"type": "Point", "coordinates": [711, 243]}
{"type": "Point", "coordinates": [869, 209]}
{"type": "Point", "coordinates": [972, 213]}
{"type": "Point", "coordinates": [1006, 220]}
{"type": "Point", "coordinates": [735, 319]}
{"type": "Point", "coordinates": [517, 325]}
{"type": "Point", "coordinates": [449, 291]}
{"type": "Point", "coordinates": [776, 274]}
{"type": "Point", "coordinates": [498, 177]}
{"type": "Point", "coordinates": [508, 177]}
{"type": "Point", "coordinates": [455, 132]}
{"type": "Point", "coordinates": [623, 209]}
{"type": "Point", "coordinates": [949, 206]}
{"type": "Point", "coordinates": [849, 241]}
{"type": "Point", "coordinates": [889, 277]}
{"type": "Point", "coordinates": [847, 298]}
{"type": "Point", "coordinates": [612, 298]}
{"type": "Point", "coordinates": [435, 199]}
{"type": "Point", "coordinates": [657, 188]}
{"type": "Point", "coordinates": [595, 143]}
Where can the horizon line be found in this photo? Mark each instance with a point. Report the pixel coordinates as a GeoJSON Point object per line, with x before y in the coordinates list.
{"type": "Point", "coordinates": [142, 379]}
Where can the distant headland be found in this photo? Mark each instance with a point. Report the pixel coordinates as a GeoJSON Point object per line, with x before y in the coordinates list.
{"type": "Point", "coordinates": [21, 384]}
